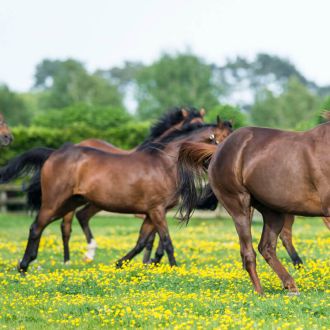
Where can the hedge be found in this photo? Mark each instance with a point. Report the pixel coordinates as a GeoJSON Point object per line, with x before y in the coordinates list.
{"type": "Point", "coordinates": [25, 138]}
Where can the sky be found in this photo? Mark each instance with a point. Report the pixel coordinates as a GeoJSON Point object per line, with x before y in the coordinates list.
{"type": "Point", "coordinates": [105, 33]}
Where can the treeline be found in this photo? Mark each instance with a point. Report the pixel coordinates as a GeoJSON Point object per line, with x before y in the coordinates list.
{"type": "Point", "coordinates": [69, 103]}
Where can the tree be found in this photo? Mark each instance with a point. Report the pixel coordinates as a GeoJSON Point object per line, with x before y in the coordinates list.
{"type": "Point", "coordinates": [67, 82]}
{"type": "Point", "coordinates": [91, 117]}
{"type": "Point", "coordinates": [13, 107]}
{"type": "Point", "coordinates": [174, 80]}
{"type": "Point", "coordinates": [227, 112]}
{"type": "Point", "coordinates": [243, 79]}
{"type": "Point", "coordinates": [296, 107]}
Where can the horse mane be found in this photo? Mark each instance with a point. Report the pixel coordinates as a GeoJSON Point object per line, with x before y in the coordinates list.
{"type": "Point", "coordinates": [169, 119]}
{"type": "Point", "coordinates": [155, 146]}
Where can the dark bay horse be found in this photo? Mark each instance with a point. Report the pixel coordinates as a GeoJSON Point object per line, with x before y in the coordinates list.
{"type": "Point", "coordinates": [76, 175]}
{"type": "Point", "coordinates": [5, 135]}
{"type": "Point", "coordinates": [175, 119]}
{"type": "Point", "coordinates": [277, 172]}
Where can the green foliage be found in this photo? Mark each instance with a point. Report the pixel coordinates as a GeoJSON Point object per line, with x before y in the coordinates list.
{"type": "Point", "coordinates": [67, 82]}
{"type": "Point", "coordinates": [126, 136]}
{"type": "Point", "coordinates": [296, 107]}
{"type": "Point", "coordinates": [227, 112]}
{"type": "Point", "coordinates": [13, 107]}
{"type": "Point", "coordinates": [176, 80]}
{"type": "Point", "coordinates": [97, 117]}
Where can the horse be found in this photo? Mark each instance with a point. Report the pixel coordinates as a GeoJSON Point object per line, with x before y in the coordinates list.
{"type": "Point", "coordinates": [5, 134]}
{"type": "Point", "coordinates": [277, 172]}
{"type": "Point", "coordinates": [76, 175]}
{"type": "Point", "coordinates": [174, 119]}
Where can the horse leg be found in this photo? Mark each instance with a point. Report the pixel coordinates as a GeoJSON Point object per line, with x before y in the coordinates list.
{"type": "Point", "coordinates": [239, 208]}
{"type": "Point", "coordinates": [146, 230]}
{"type": "Point", "coordinates": [66, 233]}
{"type": "Point", "coordinates": [158, 218]}
{"type": "Point", "coordinates": [273, 223]}
{"type": "Point", "coordinates": [83, 216]}
{"type": "Point", "coordinates": [286, 237]}
{"type": "Point", "coordinates": [148, 249]}
{"type": "Point", "coordinates": [159, 253]}
{"type": "Point", "coordinates": [326, 221]}
{"type": "Point", "coordinates": [43, 219]}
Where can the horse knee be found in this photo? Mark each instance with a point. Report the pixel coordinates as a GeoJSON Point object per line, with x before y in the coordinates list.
{"type": "Point", "coordinates": [248, 258]}
{"type": "Point", "coordinates": [266, 251]}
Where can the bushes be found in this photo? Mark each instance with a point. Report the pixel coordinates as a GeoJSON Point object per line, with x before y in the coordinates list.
{"type": "Point", "coordinates": [25, 138]}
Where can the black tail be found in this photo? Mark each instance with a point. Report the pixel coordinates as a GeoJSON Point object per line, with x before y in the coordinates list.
{"type": "Point", "coordinates": [208, 200]}
{"type": "Point", "coordinates": [28, 163]}
{"type": "Point", "coordinates": [192, 164]}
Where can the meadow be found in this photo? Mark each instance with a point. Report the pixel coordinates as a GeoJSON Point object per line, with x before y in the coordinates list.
{"type": "Point", "coordinates": [209, 288]}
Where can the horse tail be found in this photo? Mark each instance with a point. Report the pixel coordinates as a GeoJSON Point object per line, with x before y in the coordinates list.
{"type": "Point", "coordinates": [28, 163]}
{"type": "Point", "coordinates": [24, 164]}
{"type": "Point", "coordinates": [193, 162]}
{"type": "Point", "coordinates": [208, 201]}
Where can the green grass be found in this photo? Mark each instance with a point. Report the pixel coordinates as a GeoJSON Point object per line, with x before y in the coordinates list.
{"type": "Point", "coordinates": [209, 289]}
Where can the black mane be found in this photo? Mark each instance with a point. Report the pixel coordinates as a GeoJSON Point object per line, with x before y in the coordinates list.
{"type": "Point", "coordinates": [152, 146]}
{"type": "Point", "coordinates": [169, 119]}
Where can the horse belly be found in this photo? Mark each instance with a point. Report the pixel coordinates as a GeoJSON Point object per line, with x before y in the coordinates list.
{"type": "Point", "coordinates": [129, 196]}
{"type": "Point", "coordinates": [287, 194]}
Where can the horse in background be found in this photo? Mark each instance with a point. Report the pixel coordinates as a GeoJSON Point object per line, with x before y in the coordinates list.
{"type": "Point", "coordinates": [277, 172]}
{"type": "Point", "coordinates": [147, 179]}
{"type": "Point", "coordinates": [5, 134]}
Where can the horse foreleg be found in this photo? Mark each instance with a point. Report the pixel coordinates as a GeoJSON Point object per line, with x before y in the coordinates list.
{"type": "Point", "coordinates": [31, 252]}
{"type": "Point", "coordinates": [146, 230]}
{"type": "Point", "coordinates": [286, 238]}
{"type": "Point", "coordinates": [158, 218]}
{"type": "Point", "coordinates": [148, 248]}
{"type": "Point", "coordinates": [83, 216]}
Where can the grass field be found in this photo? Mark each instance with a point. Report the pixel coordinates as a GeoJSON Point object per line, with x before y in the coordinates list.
{"type": "Point", "coordinates": [209, 289]}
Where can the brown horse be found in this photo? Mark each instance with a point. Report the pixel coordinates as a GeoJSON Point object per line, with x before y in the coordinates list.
{"type": "Point", "coordinates": [175, 119]}
{"type": "Point", "coordinates": [277, 172]}
{"type": "Point", "coordinates": [5, 135]}
{"type": "Point", "coordinates": [75, 175]}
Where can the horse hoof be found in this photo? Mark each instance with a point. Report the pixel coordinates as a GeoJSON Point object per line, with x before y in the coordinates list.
{"type": "Point", "coordinates": [293, 293]}
{"type": "Point", "coordinates": [67, 263]}
{"type": "Point", "coordinates": [87, 260]}
{"type": "Point", "coordinates": [119, 265]}
{"type": "Point", "coordinates": [20, 269]}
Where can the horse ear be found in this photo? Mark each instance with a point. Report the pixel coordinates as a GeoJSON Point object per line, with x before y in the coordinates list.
{"type": "Point", "coordinates": [1, 118]}
{"type": "Point", "coordinates": [219, 121]}
{"type": "Point", "coordinates": [202, 112]}
{"type": "Point", "coordinates": [184, 112]}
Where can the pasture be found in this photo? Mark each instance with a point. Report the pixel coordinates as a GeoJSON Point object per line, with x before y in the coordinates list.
{"type": "Point", "coordinates": [209, 289]}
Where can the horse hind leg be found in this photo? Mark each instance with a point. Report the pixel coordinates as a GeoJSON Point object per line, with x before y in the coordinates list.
{"type": "Point", "coordinates": [286, 238]}
{"type": "Point", "coordinates": [238, 206]}
{"type": "Point", "coordinates": [83, 216]}
{"type": "Point", "coordinates": [66, 228]}
{"type": "Point", "coordinates": [273, 223]}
